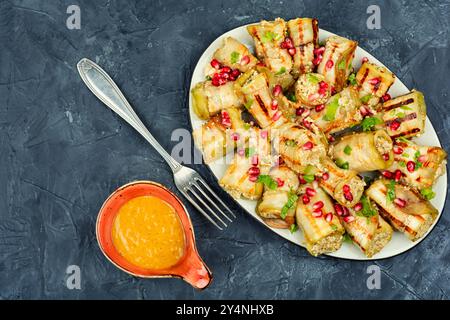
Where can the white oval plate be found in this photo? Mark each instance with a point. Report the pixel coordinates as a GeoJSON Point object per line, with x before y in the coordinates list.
{"type": "Point", "coordinates": [399, 243]}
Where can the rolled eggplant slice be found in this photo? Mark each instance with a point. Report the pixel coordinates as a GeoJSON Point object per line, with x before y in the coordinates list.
{"type": "Point", "coordinates": [404, 116]}
{"type": "Point", "coordinates": [304, 34]}
{"type": "Point", "coordinates": [366, 227]}
{"type": "Point", "coordinates": [321, 227]}
{"type": "Point", "coordinates": [311, 89]}
{"type": "Point", "coordinates": [208, 100]}
{"type": "Point", "coordinates": [403, 208]}
{"type": "Point", "coordinates": [279, 200]}
{"type": "Point", "coordinates": [373, 82]}
{"type": "Point", "coordinates": [341, 111]}
{"type": "Point", "coordinates": [220, 134]}
{"type": "Point", "coordinates": [425, 163]}
{"type": "Point", "coordinates": [365, 151]}
{"type": "Point", "coordinates": [298, 146]}
{"type": "Point", "coordinates": [258, 99]}
{"type": "Point", "coordinates": [235, 55]}
{"type": "Point", "coordinates": [268, 36]}
{"type": "Point", "coordinates": [337, 61]}
{"type": "Point", "coordinates": [345, 186]}
{"type": "Point", "coordinates": [284, 79]}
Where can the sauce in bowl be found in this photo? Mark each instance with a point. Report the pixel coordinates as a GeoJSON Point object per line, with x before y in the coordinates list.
{"type": "Point", "coordinates": [148, 233]}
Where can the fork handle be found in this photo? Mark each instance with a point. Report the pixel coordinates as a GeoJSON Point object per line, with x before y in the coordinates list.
{"type": "Point", "coordinates": [101, 84]}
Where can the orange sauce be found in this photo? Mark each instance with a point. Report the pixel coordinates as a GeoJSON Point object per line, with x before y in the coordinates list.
{"type": "Point", "coordinates": [148, 233]}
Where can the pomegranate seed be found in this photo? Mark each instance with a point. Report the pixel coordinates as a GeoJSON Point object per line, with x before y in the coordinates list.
{"type": "Point", "coordinates": [329, 64]}
{"type": "Point", "coordinates": [331, 138]}
{"type": "Point", "coordinates": [349, 219]}
{"type": "Point", "coordinates": [215, 64]}
{"type": "Point", "coordinates": [235, 136]}
{"type": "Point", "coordinates": [318, 205]}
{"type": "Point", "coordinates": [288, 43]}
{"type": "Point", "coordinates": [253, 178]}
{"type": "Point", "coordinates": [280, 161]}
{"type": "Point", "coordinates": [231, 77]}
{"type": "Point", "coordinates": [394, 125]}
{"type": "Point", "coordinates": [291, 51]}
{"type": "Point", "coordinates": [308, 146]}
{"type": "Point", "coordinates": [241, 152]}
{"type": "Point", "coordinates": [387, 174]}
{"type": "Point", "coordinates": [333, 90]}
{"type": "Point", "coordinates": [261, 64]}
{"type": "Point", "coordinates": [310, 192]}
{"type": "Point", "coordinates": [329, 217]}
{"type": "Point", "coordinates": [346, 211]}
{"type": "Point", "coordinates": [411, 166]}
{"type": "Point", "coordinates": [397, 175]}
{"type": "Point", "coordinates": [339, 210]}
{"type": "Point", "coordinates": [226, 122]}
{"type": "Point", "coordinates": [280, 182]}
{"type": "Point", "coordinates": [317, 60]}
{"type": "Point", "coordinates": [386, 156]}
{"type": "Point", "coordinates": [225, 76]}
{"type": "Point", "coordinates": [323, 84]}
{"type": "Point", "coordinates": [264, 134]}
{"type": "Point", "coordinates": [253, 171]}
{"type": "Point", "coordinates": [276, 116]}
{"type": "Point", "coordinates": [317, 214]}
{"type": "Point", "coordinates": [274, 105]}
{"type": "Point", "coordinates": [306, 124]}
{"type": "Point", "coordinates": [325, 176]}
{"type": "Point", "coordinates": [245, 60]}
{"type": "Point", "coordinates": [375, 81]}
{"type": "Point", "coordinates": [422, 158]}
{"type": "Point", "coordinates": [225, 70]}
{"type": "Point", "coordinates": [320, 107]}
{"type": "Point", "coordinates": [235, 73]}
{"type": "Point", "coordinates": [386, 97]}
{"type": "Point", "coordinates": [302, 180]}
{"type": "Point", "coordinates": [299, 111]}
{"type": "Point", "coordinates": [346, 188]}
{"type": "Point", "coordinates": [322, 91]}
{"type": "Point", "coordinates": [215, 82]}
{"type": "Point", "coordinates": [255, 160]}
{"type": "Point", "coordinates": [319, 51]}
{"type": "Point", "coordinates": [348, 196]}
{"type": "Point", "coordinates": [306, 112]}
{"type": "Point", "coordinates": [358, 207]}
{"type": "Point", "coordinates": [365, 59]}
{"type": "Point", "coordinates": [398, 150]}
{"type": "Point", "coordinates": [277, 90]}
{"type": "Point", "coordinates": [222, 81]}
{"type": "Point", "coordinates": [400, 202]}
{"type": "Point", "coordinates": [305, 199]}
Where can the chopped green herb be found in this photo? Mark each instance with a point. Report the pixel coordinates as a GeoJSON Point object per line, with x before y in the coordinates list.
{"type": "Point", "coordinates": [293, 228]}
{"type": "Point", "coordinates": [416, 160]}
{"type": "Point", "coordinates": [291, 97]}
{"type": "Point", "coordinates": [390, 194]}
{"type": "Point", "coordinates": [270, 36]}
{"type": "Point", "coordinates": [249, 152]}
{"type": "Point", "coordinates": [370, 122]}
{"type": "Point", "coordinates": [281, 71]}
{"type": "Point", "coordinates": [248, 104]}
{"type": "Point", "coordinates": [331, 108]}
{"type": "Point", "coordinates": [347, 238]}
{"type": "Point", "coordinates": [406, 155]}
{"type": "Point", "coordinates": [234, 57]}
{"type": "Point", "coordinates": [403, 139]}
{"type": "Point", "coordinates": [292, 199]}
{"type": "Point", "coordinates": [367, 209]}
{"type": "Point", "coordinates": [342, 164]}
{"type": "Point", "coordinates": [342, 65]}
{"type": "Point", "coordinates": [347, 150]}
{"type": "Point", "coordinates": [400, 115]}
{"type": "Point", "coordinates": [309, 177]}
{"type": "Point", "coordinates": [208, 78]}
{"type": "Point", "coordinates": [312, 78]}
{"type": "Point", "coordinates": [427, 193]}
{"type": "Point", "coordinates": [267, 181]}
{"type": "Point", "coordinates": [405, 108]}
{"type": "Point", "coordinates": [310, 169]}
{"type": "Point", "coordinates": [402, 164]}
{"type": "Point", "coordinates": [291, 143]}
{"type": "Point", "coordinates": [366, 98]}
{"type": "Point", "coordinates": [352, 79]}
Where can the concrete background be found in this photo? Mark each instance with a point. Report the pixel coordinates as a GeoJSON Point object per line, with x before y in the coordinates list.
{"type": "Point", "coordinates": [62, 152]}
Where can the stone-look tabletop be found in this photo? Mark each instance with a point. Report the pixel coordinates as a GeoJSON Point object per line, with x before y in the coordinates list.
{"type": "Point", "coordinates": [62, 152]}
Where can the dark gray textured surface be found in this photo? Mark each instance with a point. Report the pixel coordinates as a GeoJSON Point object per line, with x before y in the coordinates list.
{"type": "Point", "coordinates": [62, 152]}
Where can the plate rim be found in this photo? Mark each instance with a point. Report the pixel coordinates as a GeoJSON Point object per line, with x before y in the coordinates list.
{"type": "Point", "coordinates": [328, 255]}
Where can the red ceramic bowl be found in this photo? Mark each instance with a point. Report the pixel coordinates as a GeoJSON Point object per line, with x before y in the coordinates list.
{"type": "Point", "coordinates": [190, 267]}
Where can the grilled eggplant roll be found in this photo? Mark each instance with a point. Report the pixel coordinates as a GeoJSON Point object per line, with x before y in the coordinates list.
{"type": "Point", "coordinates": [337, 61]}
{"type": "Point", "coordinates": [220, 135]}
{"type": "Point", "coordinates": [316, 216]}
{"type": "Point", "coordinates": [341, 111]}
{"type": "Point", "coordinates": [304, 35]}
{"type": "Point", "coordinates": [365, 151]}
{"type": "Point", "coordinates": [279, 200]}
{"type": "Point", "coordinates": [420, 165]}
{"type": "Point", "coordinates": [258, 99]}
{"type": "Point", "coordinates": [373, 82]}
{"type": "Point", "coordinates": [268, 36]}
{"type": "Point", "coordinates": [404, 116]}
{"type": "Point", "coordinates": [235, 55]}
{"type": "Point", "coordinates": [208, 100]}
{"type": "Point", "coordinates": [298, 146]}
{"type": "Point", "coordinates": [365, 226]}
{"type": "Point", "coordinates": [345, 186]}
{"type": "Point", "coordinates": [311, 89]}
{"type": "Point", "coordinates": [403, 208]}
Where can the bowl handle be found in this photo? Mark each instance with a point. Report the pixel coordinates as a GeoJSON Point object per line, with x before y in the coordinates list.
{"type": "Point", "coordinates": [196, 273]}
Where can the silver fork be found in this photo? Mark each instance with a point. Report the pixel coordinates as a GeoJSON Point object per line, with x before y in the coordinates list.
{"type": "Point", "coordinates": [188, 181]}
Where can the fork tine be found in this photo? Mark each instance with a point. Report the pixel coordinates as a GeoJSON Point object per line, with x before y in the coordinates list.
{"type": "Point", "coordinates": [206, 206]}
{"type": "Point", "coordinates": [214, 194]}
{"type": "Point", "coordinates": [187, 196]}
{"type": "Point", "coordinates": [209, 199]}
